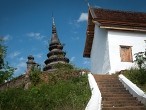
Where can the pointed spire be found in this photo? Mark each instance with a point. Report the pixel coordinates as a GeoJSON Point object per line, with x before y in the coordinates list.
{"type": "Point", "coordinates": [53, 26]}
{"type": "Point", "coordinates": [56, 54]}
{"type": "Point", "coordinates": [54, 38]}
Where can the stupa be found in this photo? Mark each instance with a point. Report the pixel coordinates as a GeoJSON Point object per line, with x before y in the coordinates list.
{"type": "Point", "coordinates": [31, 63]}
{"type": "Point", "coordinates": [56, 53]}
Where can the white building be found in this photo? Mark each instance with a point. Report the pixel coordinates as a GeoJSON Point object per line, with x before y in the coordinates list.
{"type": "Point", "coordinates": [112, 39]}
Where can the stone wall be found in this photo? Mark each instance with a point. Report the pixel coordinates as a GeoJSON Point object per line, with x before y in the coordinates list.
{"type": "Point", "coordinates": [24, 81]}
{"type": "Point", "coordinates": [19, 81]}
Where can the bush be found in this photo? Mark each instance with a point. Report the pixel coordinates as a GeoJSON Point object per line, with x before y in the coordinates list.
{"type": "Point", "coordinates": [137, 76]}
{"type": "Point", "coordinates": [35, 76]}
{"type": "Point", "coordinates": [63, 72]}
{"type": "Point", "coordinates": [64, 95]}
{"type": "Point", "coordinates": [64, 66]}
{"type": "Point", "coordinates": [65, 90]}
{"type": "Point", "coordinates": [140, 60]}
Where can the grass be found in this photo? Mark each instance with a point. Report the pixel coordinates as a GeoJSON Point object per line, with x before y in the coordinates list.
{"type": "Point", "coordinates": [137, 76]}
{"type": "Point", "coordinates": [61, 93]}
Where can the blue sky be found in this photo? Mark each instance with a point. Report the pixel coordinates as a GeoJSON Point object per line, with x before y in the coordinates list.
{"type": "Point", "coordinates": [26, 27]}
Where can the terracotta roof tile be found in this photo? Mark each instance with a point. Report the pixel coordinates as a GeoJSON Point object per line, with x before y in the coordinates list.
{"type": "Point", "coordinates": [118, 15]}
{"type": "Point", "coordinates": [121, 18]}
{"type": "Point", "coordinates": [112, 19]}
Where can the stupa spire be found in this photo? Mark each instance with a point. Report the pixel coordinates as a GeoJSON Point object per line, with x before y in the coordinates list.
{"type": "Point", "coordinates": [56, 53]}
{"type": "Point", "coordinates": [54, 38]}
{"type": "Point", "coordinates": [53, 26]}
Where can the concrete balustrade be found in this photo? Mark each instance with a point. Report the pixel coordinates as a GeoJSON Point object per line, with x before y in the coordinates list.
{"type": "Point", "coordinates": [95, 100]}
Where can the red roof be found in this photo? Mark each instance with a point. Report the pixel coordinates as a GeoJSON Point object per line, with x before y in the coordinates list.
{"type": "Point", "coordinates": [111, 19]}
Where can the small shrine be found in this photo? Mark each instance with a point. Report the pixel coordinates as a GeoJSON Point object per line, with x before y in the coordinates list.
{"type": "Point", "coordinates": [56, 54]}
{"type": "Point", "coordinates": [31, 63]}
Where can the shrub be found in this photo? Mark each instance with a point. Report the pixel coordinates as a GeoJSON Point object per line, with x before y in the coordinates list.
{"type": "Point", "coordinates": [64, 66]}
{"type": "Point", "coordinates": [64, 95]}
{"type": "Point", "coordinates": [137, 76]}
{"type": "Point", "coordinates": [140, 59]}
{"type": "Point", "coordinates": [63, 72]}
{"type": "Point", "coordinates": [35, 76]}
{"type": "Point", "coordinates": [66, 90]}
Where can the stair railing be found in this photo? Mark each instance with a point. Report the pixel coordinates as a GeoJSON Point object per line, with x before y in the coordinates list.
{"type": "Point", "coordinates": [133, 89]}
{"type": "Point", "coordinates": [95, 100]}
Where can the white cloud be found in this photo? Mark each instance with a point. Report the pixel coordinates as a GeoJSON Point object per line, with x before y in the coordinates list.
{"type": "Point", "coordinates": [72, 59]}
{"type": "Point", "coordinates": [86, 62]}
{"type": "Point", "coordinates": [14, 54]}
{"type": "Point", "coordinates": [45, 42]}
{"type": "Point", "coordinates": [83, 17]}
{"type": "Point", "coordinates": [74, 23]}
{"type": "Point", "coordinates": [22, 59]}
{"type": "Point", "coordinates": [7, 37]}
{"type": "Point", "coordinates": [21, 64]}
{"type": "Point", "coordinates": [75, 38]}
{"type": "Point", "coordinates": [38, 55]}
{"type": "Point", "coordinates": [21, 67]}
{"type": "Point", "coordinates": [37, 36]}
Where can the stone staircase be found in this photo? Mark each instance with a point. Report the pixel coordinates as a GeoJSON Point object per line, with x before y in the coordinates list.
{"type": "Point", "coordinates": [114, 95]}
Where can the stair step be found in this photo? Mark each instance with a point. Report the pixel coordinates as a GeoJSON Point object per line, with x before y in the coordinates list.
{"type": "Point", "coordinates": [125, 108]}
{"type": "Point", "coordinates": [114, 92]}
{"type": "Point", "coordinates": [112, 89]}
{"type": "Point", "coordinates": [118, 98]}
{"type": "Point", "coordinates": [121, 103]}
{"type": "Point", "coordinates": [109, 85]}
{"type": "Point", "coordinates": [114, 95]}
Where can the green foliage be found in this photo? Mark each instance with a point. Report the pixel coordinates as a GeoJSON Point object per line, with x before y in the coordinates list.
{"type": "Point", "coordinates": [70, 94]}
{"type": "Point", "coordinates": [136, 76]}
{"type": "Point", "coordinates": [63, 72]}
{"type": "Point", "coordinates": [64, 66]}
{"type": "Point", "coordinates": [140, 59]}
{"type": "Point", "coordinates": [6, 72]}
{"type": "Point", "coordinates": [66, 90]}
{"type": "Point", "coordinates": [3, 50]}
{"type": "Point", "coordinates": [35, 76]}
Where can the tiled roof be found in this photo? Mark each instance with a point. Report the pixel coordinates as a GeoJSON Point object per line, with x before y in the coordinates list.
{"type": "Point", "coordinates": [111, 19]}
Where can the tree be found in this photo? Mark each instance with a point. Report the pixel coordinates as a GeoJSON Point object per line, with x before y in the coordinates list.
{"type": "Point", "coordinates": [6, 72]}
{"type": "Point", "coordinates": [140, 59]}
{"type": "Point", "coordinates": [2, 53]}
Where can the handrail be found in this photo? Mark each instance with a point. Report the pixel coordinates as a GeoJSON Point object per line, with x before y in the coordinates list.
{"type": "Point", "coordinates": [95, 100]}
{"type": "Point", "coordinates": [133, 89]}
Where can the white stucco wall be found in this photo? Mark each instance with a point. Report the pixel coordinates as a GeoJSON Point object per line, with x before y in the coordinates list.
{"type": "Point", "coordinates": [100, 63]}
{"type": "Point", "coordinates": [128, 38]}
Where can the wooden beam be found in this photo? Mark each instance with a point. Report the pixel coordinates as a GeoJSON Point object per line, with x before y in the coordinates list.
{"type": "Point", "coordinates": [122, 28]}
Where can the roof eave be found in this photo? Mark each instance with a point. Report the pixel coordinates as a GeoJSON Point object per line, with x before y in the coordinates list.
{"type": "Point", "coordinates": [123, 28]}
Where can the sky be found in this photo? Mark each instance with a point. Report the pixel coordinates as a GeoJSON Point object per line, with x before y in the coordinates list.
{"type": "Point", "coordinates": [26, 26]}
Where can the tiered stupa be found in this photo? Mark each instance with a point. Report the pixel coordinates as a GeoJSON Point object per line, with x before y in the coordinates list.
{"type": "Point", "coordinates": [56, 54]}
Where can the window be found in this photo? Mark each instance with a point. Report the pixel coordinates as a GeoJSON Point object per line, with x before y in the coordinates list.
{"type": "Point", "coordinates": [126, 53]}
